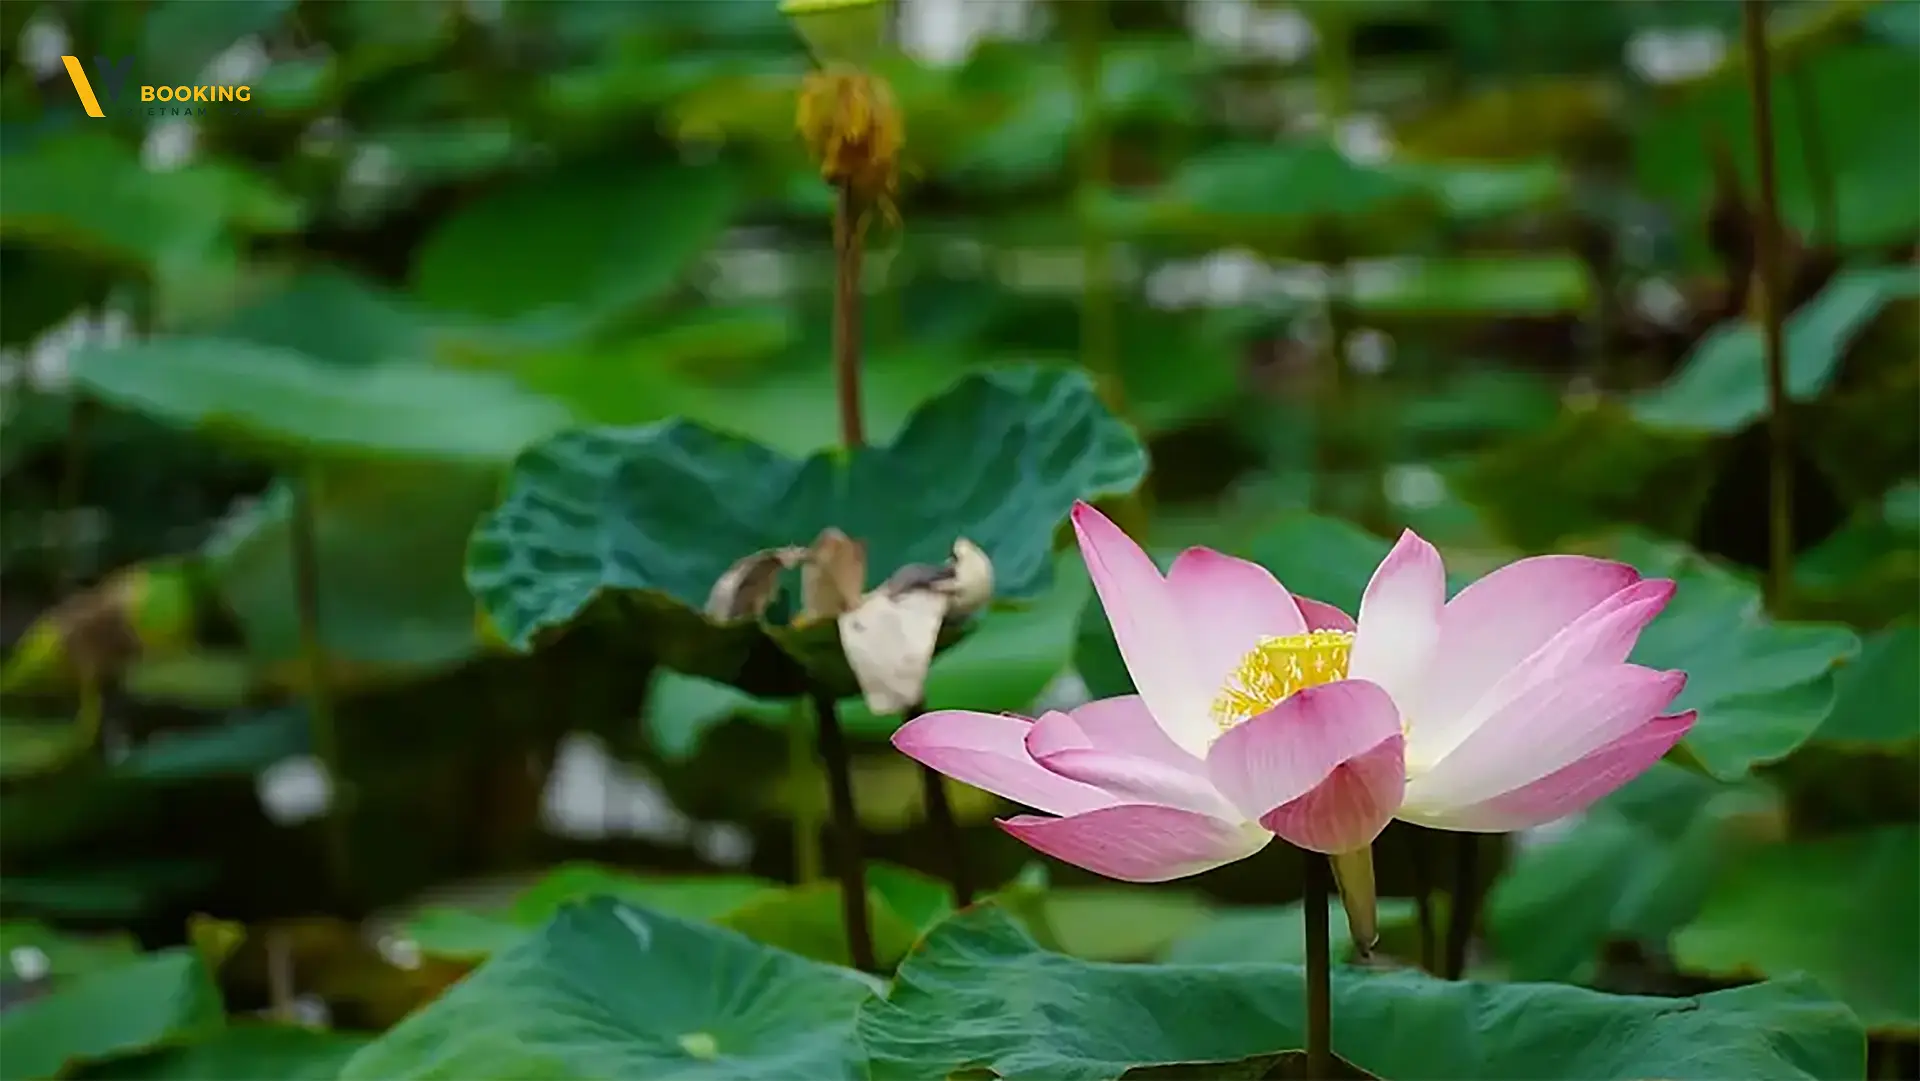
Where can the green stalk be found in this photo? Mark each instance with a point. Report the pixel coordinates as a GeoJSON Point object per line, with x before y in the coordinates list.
{"type": "Point", "coordinates": [1465, 903]}
{"type": "Point", "coordinates": [1316, 895]}
{"type": "Point", "coordinates": [320, 715]}
{"type": "Point", "coordinates": [1336, 101]}
{"type": "Point", "coordinates": [1099, 337]}
{"type": "Point", "coordinates": [1420, 861]}
{"type": "Point", "coordinates": [804, 778]}
{"type": "Point", "coordinates": [1769, 296]}
{"type": "Point", "coordinates": [1099, 327]}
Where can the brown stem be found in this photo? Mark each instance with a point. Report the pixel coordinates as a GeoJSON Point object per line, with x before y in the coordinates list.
{"type": "Point", "coordinates": [1771, 302]}
{"type": "Point", "coordinates": [853, 875]}
{"type": "Point", "coordinates": [946, 828]}
{"type": "Point", "coordinates": [846, 317]}
{"type": "Point", "coordinates": [1316, 895]}
{"type": "Point", "coordinates": [1465, 904]}
{"type": "Point", "coordinates": [1418, 858]}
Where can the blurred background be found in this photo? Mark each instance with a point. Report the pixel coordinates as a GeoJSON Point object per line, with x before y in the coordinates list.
{"type": "Point", "coordinates": [1477, 267]}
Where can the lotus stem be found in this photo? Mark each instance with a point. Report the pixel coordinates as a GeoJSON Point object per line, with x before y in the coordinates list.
{"type": "Point", "coordinates": [1099, 343]}
{"type": "Point", "coordinates": [1099, 329]}
{"type": "Point", "coordinates": [320, 715]}
{"type": "Point", "coordinates": [1768, 295]}
{"type": "Point", "coordinates": [1465, 904]}
{"type": "Point", "coordinates": [853, 874]}
{"type": "Point", "coordinates": [946, 828]}
{"type": "Point", "coordinates": [1417, 858]}
{"type": "Point", "coordinates": [1335, 63]}
{"type": "Point", "coordinates": [1316, 896]}
{"type": "Point", "coordinates": [804, 778]}
{"type": "Point", "coordinates": [846, 317]}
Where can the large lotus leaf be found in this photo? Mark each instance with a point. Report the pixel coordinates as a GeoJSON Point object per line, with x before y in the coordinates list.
{"type": "Point", "coordinates": [1275, 198]}
{"type": "Point", "coordinates": [65, 955]}
{"type": "Point", "coordinates": [1634, 868]}
{"type": "Point", "coordinates": [608, 990]}
{"type": "Point", "coordinates": [638, 524]}
{"type": "Point", "coordinates": [161, 998]}
{"type": "Point", "coordinates": [84, 191]}
{"type": "Point", "coordinates": [1722, 386]}
{"type": "Point", "coordinates": [1845, 910]}
{"type": "Point", "coordinates": [248, 1052]}
{"type": "Point", "coordinates": [587, 240]}
{"type": "Point", "coordinates": [1762, 686]}
{"type": "Point", "coordinates": [1607, 469]}
{"type": "Point", "coordinates": [389, 542]}
{"type": "Point", "coordinates": [1276, 934]}
{"type": "Point", "coordinates": [979, 993]}
{"type": "Point", "coordinates": [334, 317]}
{"type": "Point", "coordinates": [1872, 563]}
{"type": "Point", "coordinates": [806, 920]}
{"type": "Point", "coordinates": [289, 404]}
{"type": "Point", "coordinates": [1876, 703]}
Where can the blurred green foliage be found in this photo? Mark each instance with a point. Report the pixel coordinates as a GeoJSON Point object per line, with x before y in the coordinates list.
{"type": "Point", "coordinates": [431, 279]}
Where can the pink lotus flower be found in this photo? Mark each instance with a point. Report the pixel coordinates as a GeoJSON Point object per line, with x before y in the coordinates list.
{"type": "Point", "coordinates": [1260, 713]}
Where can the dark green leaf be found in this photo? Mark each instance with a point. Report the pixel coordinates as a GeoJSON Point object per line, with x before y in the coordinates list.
{"type": "Point", "coordinates": [585, 242]}
{"type": "Point", "coordinates": [291, 404]}
{"type": "Point", "coordinates": [1635, 867]}
{"type": "Point", "coordinates": [1762, 687]}
{"type": "Point", "coordinates": [980, 994]}
{"type": "Point", "coordinates": [1853, 108]}
{"type": "Point", "coordinates": [1272, 934]}
{"type": "Point", "coordinates": [247, 1052]}
{"type": "Point", "coordinates": [66, 955]}
{"type": "Point", "coordinates": [645, 521]}
{"type": "Point", "coordinates": [1722, 386]}
{"type": "Point", "coordinates": [1845, 910]}
{"type": "Point", "coordinates": [162, 998]}
{"type": "Point", "coordinates": [389, 544]}
{"type": "Point", "coordinates": [611, 991]}
{"type": "Point", "coordinates": [1876, 700]}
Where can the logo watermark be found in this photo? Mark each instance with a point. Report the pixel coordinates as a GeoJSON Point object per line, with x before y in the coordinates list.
{"type": "Point", "coordinates": [159, 100]}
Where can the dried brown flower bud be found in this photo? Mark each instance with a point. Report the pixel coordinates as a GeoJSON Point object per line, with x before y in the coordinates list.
{"type": "Point", "coordinates": [854, 128]}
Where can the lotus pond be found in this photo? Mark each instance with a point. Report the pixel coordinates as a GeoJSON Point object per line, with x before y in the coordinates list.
{"type": "Point", "coordinates": [1053, 540]}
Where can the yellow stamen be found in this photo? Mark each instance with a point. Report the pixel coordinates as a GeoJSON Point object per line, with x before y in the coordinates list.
{"type": "Point", "coordinates": [1279, 667]}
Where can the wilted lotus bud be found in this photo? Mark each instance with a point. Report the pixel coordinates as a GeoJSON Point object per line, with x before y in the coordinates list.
{"type": "Point", "coordinates": [854, 129]}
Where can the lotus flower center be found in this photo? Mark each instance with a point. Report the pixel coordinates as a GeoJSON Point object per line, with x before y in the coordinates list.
{"type": "Point", "coordinates": [1277, 668]}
